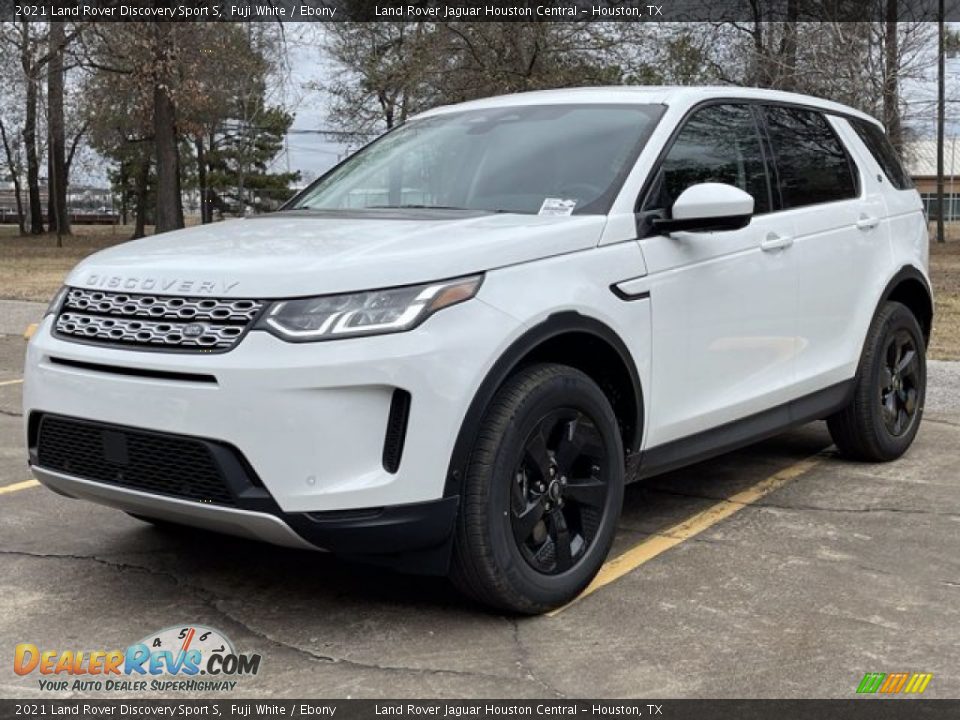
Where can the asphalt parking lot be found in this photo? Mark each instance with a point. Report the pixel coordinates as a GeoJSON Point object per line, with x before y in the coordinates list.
{"type": "Point", "coordinates": [834, 570]}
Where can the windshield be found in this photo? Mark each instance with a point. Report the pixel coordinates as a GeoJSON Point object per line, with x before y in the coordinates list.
{"type": "Point", "coordinates": [546, 159]}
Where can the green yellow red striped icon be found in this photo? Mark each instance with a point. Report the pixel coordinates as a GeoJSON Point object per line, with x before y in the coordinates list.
{"type": "Point", "coordinates": [893, 683]}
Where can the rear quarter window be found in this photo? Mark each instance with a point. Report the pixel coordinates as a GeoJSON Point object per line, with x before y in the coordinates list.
{"type": "Point", "coordinates": [881, 149]}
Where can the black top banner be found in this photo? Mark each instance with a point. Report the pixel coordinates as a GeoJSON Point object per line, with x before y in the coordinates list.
{"type": "Point", "coordinates": [478, 10]}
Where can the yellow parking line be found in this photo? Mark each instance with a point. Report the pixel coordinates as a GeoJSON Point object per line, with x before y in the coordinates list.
{"type": "Point", "coordinates": [661, 542]}
{"type": "Point", "coordinates": [11, 382]}
{"type": "Point", "coordinates": [18, 486]}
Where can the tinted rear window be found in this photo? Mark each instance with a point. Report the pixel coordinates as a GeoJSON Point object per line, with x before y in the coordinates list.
{"type": "Point", "coordinates": [883, 153]}
{"type": "Point", "coordinates": [812, 165]}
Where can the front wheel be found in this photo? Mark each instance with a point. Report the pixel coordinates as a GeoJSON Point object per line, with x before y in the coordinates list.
{"type": "Point", "coordinates": [884, 415]}
{"type": "Point", "coordinates": [542, 492]}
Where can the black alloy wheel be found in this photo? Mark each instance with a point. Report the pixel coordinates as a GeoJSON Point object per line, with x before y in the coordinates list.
{"type": "Point", "coordinates": [559, 492]}
{"type": "Point", "coordinates": [900, 383]}
{"type": "Point", "coordinates": [542, 493]}
{"type": "Point", "coordinates": [883, 415]}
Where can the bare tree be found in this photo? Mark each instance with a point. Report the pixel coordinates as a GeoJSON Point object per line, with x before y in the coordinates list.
{"type": "Point", "coordinates": [28, 43]}
{"type": "Point", "coordinates": [57, 176]}
{"type": "Point", "coordinates": [387, 71]}
{"type": "Point", "coordinates": [13, 166]}
{"type": "Point", "coordinates": [859, 53]}
{"type": "Point", "coordinates": [381, 74]}
{"type": "Point", "coordinates": [169, 198]}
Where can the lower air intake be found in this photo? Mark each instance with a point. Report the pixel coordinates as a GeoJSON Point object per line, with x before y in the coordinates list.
{"type": "Point", "coordinates": [153, 462]}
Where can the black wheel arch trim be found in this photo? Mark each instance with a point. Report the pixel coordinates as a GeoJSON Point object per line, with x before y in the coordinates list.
{"type": "Point", "coordinates": [555, 325]}
{"type": "Point", "coordinates": [907, 272]}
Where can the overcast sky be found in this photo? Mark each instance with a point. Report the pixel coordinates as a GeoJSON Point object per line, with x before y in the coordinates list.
{"type": "Point", "coordinates": [307, 151]}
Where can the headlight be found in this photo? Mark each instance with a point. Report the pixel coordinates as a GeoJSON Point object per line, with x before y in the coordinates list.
{"type": "Point", "coordinates": [54, 306]}
{"type": "Point", "coordinates": [375, 312]}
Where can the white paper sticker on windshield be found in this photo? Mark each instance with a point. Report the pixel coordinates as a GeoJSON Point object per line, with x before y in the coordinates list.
{"type": "Point", "coordinates": [557, 206]}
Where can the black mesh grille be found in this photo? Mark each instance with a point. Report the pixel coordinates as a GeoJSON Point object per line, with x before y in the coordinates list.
{"type": "Point", "coordinates": [137, 459]}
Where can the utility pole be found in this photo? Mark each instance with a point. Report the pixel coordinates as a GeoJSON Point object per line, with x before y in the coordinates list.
{"type": "Point", "coordinates": [941, 96]}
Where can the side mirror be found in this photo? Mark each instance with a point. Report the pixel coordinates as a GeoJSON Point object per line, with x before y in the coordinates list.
{"type": "Point", "coordinates": [708, 207]}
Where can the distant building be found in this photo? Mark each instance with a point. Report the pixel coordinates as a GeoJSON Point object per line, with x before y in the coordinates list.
{"type": "Point", "coordinates": [920, 158]}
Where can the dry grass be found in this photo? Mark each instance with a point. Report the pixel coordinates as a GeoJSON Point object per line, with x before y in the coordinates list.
{"type": "Point", "coordinates": [945, 274]}
{"type": "Point", "coordinates": [32, 268]}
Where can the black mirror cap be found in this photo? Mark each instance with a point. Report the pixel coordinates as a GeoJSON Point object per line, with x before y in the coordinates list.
{"type": "Point", "coordinates": [666, 226]}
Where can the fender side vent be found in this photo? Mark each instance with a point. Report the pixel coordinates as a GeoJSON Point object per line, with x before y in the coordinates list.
{"type": "Point", "coordinates": [396, 430]}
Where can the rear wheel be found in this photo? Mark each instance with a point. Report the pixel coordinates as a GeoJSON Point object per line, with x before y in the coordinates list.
{"type": "Point", "coordinates": [882, 420]}
{"type": "Point", "coordinates": [542, 493]}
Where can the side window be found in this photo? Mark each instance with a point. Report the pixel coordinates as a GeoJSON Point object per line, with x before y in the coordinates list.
{"type": "Point", "coordinates": [883, 152]}
{"type": "Point", "coordinates": [719, 143]}
{"type": "Point", "coordinates": [812, 165]}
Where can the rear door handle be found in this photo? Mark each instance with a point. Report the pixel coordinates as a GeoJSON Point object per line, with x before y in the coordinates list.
{"type": "Point", "coordinates": [868, 222]}
{"type": "Point", "coordinates": [776, 242]}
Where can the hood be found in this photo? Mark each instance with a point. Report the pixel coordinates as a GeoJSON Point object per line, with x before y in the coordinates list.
{"type": "Point", "coordinates": [294, 254]}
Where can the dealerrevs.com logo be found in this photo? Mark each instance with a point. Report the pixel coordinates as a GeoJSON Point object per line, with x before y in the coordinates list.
{"type": "Point", "coordinates": [190, 658]}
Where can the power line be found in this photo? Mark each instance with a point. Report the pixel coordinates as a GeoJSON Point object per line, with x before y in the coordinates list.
{"type": "Point", "coordinates": [339, 133]}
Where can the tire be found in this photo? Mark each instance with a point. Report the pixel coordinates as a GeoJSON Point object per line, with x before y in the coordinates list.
{"type": "Point", "coordinates": [542, 492]}
{"type": "Point", "coordinates": [884, 415]}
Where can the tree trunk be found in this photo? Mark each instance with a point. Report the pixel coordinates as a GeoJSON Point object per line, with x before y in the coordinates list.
{"type": "Point", "coordinates": [30, 132]}
{"type": "Point", "coordinates": [59, 216]}
{"type": "Point", "coordinates": [788, 56]}
{"type": "Point", "coordinates": [124, 182]}
{"type": "Point", "coordinates": [760, 72]}
{"type": "Point", "coordinates": [169, 201]}
{"type": "Point", "coordinates": [891, 79]}
{"type": "Point", "coordinates": [74, 144]}
{"type": "Point", "coordinates": [12, 165]}
{"type": "Point", "coordinates": [205, 214]}
{"type": "Point", "coordinates": [140, 192]}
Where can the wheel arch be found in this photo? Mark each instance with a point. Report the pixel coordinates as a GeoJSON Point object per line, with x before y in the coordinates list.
{"type": "Point", "coordinates": [909, 286]}
{"type": "Point", "coordinates": [567, 338]}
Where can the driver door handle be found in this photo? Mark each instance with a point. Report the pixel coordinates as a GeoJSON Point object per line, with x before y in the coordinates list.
{"type": "Point", "coordinates": [867, 222]}
{"type": "Point", "coordinates": [773, 241]}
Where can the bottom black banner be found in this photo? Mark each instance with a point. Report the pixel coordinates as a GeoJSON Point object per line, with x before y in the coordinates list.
{"type": "Point", "coordinates": [854, 709]}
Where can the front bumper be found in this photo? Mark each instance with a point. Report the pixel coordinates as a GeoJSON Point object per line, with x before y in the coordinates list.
{"type": "Point", "coordinates": [411, 537]}
{"type": "Point", "coordinates": [310, 418]}
{"type": "Point", "coordinates": [232, 521]}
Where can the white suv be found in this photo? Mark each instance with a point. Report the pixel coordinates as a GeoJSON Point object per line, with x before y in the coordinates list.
{"type": "Point", "coordinates": [451, 351]}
